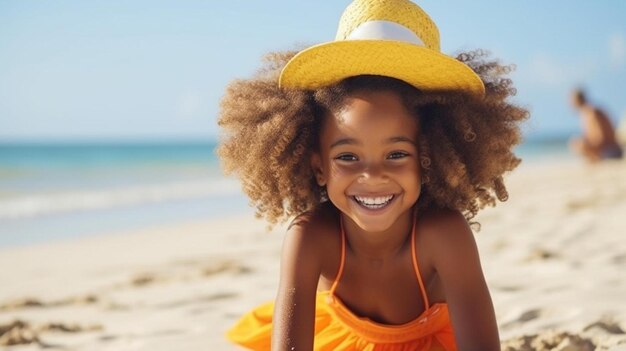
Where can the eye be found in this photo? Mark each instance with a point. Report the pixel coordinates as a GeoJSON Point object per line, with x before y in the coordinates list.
{"type": "Point", "coordinates": [346, 157]}
{"type": "Point", "coordinates": [397, 155]}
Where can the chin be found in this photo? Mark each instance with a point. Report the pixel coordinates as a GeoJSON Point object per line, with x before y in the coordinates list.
{"type": "Point", "coordinates": [373, 225]}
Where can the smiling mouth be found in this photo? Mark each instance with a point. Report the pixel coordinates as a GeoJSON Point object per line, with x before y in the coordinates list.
{"type": "Point", "coordinates": [374, 203]}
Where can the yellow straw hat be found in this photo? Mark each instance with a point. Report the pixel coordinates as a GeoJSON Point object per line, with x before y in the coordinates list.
{"type": "Point", "coordinates": [393, 38]}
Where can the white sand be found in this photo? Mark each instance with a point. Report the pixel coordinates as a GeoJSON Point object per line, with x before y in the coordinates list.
{"type": "Point", "coordinates": [554, 256]}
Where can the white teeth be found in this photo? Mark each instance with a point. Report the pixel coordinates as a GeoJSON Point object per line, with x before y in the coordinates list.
{"type": "Point", "coordinates": [374, 201]}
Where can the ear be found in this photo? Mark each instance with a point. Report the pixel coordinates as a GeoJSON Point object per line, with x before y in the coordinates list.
{"type": "Point", "coordinates": [318, 169]}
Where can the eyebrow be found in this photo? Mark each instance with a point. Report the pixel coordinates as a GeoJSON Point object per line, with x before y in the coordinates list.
{"type": "Point", "coordinates": [352, 141]}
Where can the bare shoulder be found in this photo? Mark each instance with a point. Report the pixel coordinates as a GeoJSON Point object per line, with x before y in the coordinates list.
{"type": "Point", "coordinates": [445, 229]}
{"type": "Point", "coordinates": [311, 234]}
{"type": "Point", "coordinates": [442, 219]}
{"type": "Point", "coordinates": [315, 226]}
{"type": "Point", "coordinates": [303, 255]}
{"type": "Point", "coordinates": [450, 245]}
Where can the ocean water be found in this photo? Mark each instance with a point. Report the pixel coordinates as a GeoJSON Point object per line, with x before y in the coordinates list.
{"type": "Point", "coordinates": [60, 191]}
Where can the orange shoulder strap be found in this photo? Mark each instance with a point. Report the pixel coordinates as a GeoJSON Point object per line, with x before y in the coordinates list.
{"type": "Point", "coordinates": [416, 266]}
{"type": "Point", "coordinates": [343, 257]}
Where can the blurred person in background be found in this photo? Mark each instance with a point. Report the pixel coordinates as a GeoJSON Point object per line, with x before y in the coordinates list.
{"type": "Point", "coordinates": [598, 140]}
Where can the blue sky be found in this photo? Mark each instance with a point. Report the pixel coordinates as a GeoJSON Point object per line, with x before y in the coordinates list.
{"type": "Point", "coordinates": [111, 70]}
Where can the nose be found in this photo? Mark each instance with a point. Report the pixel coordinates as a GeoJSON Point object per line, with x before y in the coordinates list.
{"type": "Point", "coordinates": [373, 174]}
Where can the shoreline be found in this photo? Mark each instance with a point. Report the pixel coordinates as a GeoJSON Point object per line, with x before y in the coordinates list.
{"type": "Point", "coordinates": [69, 190]}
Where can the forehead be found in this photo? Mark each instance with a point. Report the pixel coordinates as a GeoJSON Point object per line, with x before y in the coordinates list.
{"type": "Point", "coordinates": [371, 114]}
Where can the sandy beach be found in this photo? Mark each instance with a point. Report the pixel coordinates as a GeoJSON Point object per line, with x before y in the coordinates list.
{"type": "Point", "coordinates": [554, 256]}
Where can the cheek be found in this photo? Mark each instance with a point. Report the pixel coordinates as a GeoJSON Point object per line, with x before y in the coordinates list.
{"type": "Point", "coordinates": [411, 177]}
{"type": "Point", "coordinates": [409, 169]}
{"type": "Point", "coordinates": [340, 174]}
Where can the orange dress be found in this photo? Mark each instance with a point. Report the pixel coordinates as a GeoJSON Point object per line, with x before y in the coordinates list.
{"type": "Point", "coordinates": [338, 328]}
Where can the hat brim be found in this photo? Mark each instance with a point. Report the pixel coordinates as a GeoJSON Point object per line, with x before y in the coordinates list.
{"type": "Point", "coordinates": [428, 70]}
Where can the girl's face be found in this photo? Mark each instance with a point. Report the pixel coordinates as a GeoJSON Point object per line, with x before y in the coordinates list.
{"type": "Point", "coordinates": [368, 160]}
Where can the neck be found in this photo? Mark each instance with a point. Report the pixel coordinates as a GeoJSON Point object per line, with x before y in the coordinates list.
{"type": "Point", "coordinates": [378, 246]}
{"type": "Point", "coordinates": [581, 105]}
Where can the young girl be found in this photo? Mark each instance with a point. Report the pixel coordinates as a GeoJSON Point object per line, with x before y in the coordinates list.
{"type": "Point", "coordinates": [383, 149]}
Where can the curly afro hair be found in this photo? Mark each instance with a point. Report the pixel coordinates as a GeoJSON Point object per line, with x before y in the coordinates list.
{"type": "Point", "coordinates": [465, 142]}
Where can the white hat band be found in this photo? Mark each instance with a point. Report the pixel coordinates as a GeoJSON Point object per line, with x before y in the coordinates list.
{"type": "Point", "coordinates": [384, 30]}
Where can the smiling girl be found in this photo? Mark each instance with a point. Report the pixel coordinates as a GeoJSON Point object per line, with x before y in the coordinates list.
{"type": "Point", "coordinates": [382, 150]}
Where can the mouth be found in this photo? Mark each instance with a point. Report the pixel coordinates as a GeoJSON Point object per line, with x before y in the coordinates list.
{"type": "Point", "coordinates": [374, 202]}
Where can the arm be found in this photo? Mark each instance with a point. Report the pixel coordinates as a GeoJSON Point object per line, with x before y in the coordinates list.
{"type": "Point", "coordinates": [457, 263]}
{"type": "Point", "coordinates": [294, 309]}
